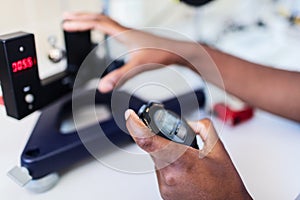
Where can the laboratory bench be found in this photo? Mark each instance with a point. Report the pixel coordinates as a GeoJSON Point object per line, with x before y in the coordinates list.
{"type": "Point", "coordinates": [264, 149]}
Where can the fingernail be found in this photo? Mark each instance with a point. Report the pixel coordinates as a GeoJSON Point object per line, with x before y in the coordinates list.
{"type": "Point", "coordinates": [127, 113]}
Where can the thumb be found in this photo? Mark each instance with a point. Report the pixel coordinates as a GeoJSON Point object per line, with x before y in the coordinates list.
{"type": "Point", "coordinates": [108, 82]}
{"type": "Point", "coordinates": [141, 134]}
{"type": "Point", "coordinates": [159, 148]}
{"type": "Point", "coordinates": [212, 145]}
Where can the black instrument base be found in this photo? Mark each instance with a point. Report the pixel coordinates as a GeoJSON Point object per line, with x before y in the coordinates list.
{"type": "Point", "coordinates": [48, 150]}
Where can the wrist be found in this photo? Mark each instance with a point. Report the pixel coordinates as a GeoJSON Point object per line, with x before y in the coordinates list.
{"type": "Point", "coordinates": [194, 56]}
{"type": "Point", "coordinates": [245, 196]}
{"type": "Point", "coordinates": [241, 193]}
{"type": "Point", "coordinates": [186, 54]}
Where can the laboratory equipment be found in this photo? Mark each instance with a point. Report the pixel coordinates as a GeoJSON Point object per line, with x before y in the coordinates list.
{"type": "Point", "coordinates": [50, 150]}
{"type": "Point", "coordinates": [167, 124]}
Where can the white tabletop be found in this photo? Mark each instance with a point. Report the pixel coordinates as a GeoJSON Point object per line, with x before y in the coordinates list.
{"type": "Point", "coordinates": [265, 150]}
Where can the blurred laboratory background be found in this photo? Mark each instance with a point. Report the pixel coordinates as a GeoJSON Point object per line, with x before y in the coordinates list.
{"type": "Point", "coordinates": [264, 31]}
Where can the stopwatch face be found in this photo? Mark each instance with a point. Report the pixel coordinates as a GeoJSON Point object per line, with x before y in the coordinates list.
{"type": "Point", "coordinates": [169, 124]}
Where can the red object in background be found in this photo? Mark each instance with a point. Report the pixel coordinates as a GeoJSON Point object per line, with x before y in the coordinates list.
{"type": "Point", "coordinates": [233, 117]}
{"type": "Point", "coordinates": [1, 101]}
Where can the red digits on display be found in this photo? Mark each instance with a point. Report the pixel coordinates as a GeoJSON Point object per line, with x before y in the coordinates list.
{"type": "Point", "coordinates": [29, 61]}
{"type": "Point", "coordinates": [23, 64]}
{"type": "Point", "coordinates": [20, 65]}
{"type": "Point", "coordinates": [15, 67]}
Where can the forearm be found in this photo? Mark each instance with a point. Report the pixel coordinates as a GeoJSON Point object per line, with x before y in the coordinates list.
{"type": "Point", "coordinates": [273, 90]}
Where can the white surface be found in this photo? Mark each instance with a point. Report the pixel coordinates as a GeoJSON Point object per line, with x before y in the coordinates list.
{"type": "Point", "coordinates": [92, 179]}
{"type": "Point", "coordinates": [265, 150]}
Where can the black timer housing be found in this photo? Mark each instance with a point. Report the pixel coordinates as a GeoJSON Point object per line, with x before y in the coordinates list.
{"type": "Point", "coordinates": [19, 74]}
{"type": "Point", "coordinates": [23, 91]}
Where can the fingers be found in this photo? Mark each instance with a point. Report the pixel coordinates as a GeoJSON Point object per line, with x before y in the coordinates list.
{"type": "Point", "coordinates": [116, 78]}
{"type": "Point", "coordinates": [75, 21]}
{"type": "Point", "coordinates": [80, 16]}
{"type": "Point", "coordinates": [159, 148]}
{"type": "Point", "coordinates": [80, 25]}
{"type": "Point", "coordinates": [99, 24]}
{"type": "Point", "coordinates": [87, 21]}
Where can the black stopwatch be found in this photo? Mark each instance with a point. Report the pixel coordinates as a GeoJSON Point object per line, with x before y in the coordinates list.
{"type": "Point", "coordinates": [167, 124]}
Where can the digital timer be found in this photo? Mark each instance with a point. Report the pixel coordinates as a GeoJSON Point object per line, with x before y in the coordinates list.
{"type": "Point", "coordinates": [23, 90]}
{"type": "Point", "coordinates": [167, 124]}
{"type": "Point", "coordinates": [19, 75]}
{"type": "Point", "coordinates": [23, 64]}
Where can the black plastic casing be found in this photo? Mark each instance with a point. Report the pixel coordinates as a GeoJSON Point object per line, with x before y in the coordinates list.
{"type": "Point", "coordinates": [146, 114]}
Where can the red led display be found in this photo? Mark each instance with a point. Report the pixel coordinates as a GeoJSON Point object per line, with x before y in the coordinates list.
{"type": "Point", "coordinates": [23, 64]}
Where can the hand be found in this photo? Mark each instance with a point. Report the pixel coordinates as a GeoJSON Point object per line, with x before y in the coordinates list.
{"type": "Point", "coordinates": [147, 51]}
{"type": "Point", "coordinates": [181, 173]}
